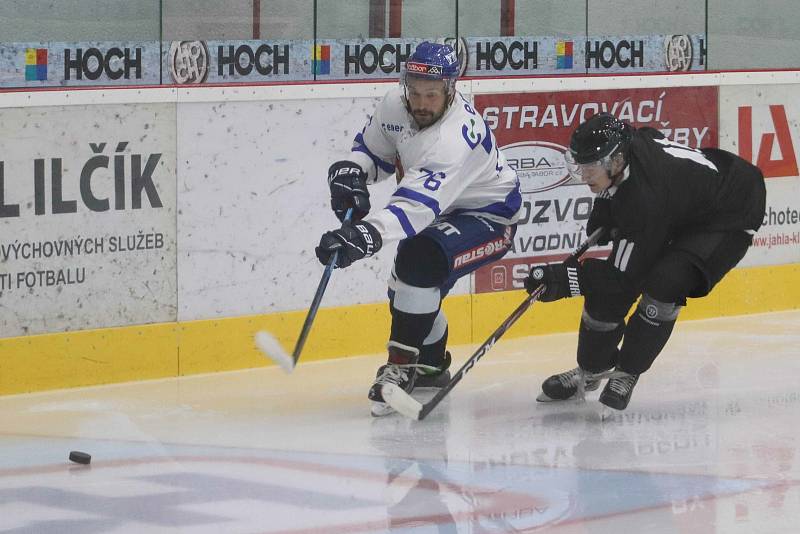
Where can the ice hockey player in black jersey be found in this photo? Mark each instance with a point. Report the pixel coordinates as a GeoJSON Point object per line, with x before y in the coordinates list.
{"type": "Point", "coordinates": [679, 219]}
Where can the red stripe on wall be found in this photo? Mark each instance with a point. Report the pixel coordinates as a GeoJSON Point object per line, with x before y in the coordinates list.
{"type": "Point", "coordinates": [256, 19]}
{"type": "Point", "coordinates": [507, 15]}
{"type": "Point", "coordinates": [377, 18]}
{"type": "Point", "coordinates": [395, 18]}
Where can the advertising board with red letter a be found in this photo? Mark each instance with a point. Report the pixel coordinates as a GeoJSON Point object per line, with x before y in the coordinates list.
{"type": "Point", "coordinates": [533, 130]}
{"type": "Point", "coordinates": [758, 122]}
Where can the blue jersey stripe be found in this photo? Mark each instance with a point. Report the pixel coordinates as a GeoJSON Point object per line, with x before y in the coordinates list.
{"type": "Point", "coordinates": [403, 218]}
{"type": "Point", "coordinates": [506, 209]}
{"type": "Point", "coordinates": [416, 196]}
{"type": "Point", "coordinates": [360, 146]}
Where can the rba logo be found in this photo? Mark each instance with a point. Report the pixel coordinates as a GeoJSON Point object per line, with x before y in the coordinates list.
{"type": "Point", "coordinates": [786, 162]}
{"type": "Point", "coordinates": [540, 165]}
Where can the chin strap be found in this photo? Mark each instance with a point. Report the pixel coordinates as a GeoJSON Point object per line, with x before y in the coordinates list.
{"type": "Point", "coordinates": [618, 178]}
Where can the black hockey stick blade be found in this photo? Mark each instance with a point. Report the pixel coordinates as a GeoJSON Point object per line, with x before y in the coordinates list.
{"type": "Point", "coordinates": [406, 405]}
{"type": "Point", "coordinates": [267, 343]}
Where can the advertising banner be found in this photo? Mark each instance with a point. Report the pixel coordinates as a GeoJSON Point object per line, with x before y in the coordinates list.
{"type": "Point", "coordinates": [759, 122]}
{"type": "Point", "coordinates": [516, 56]}
{"type": "Point", "coordinates": [342, 59]}
{"type": "Point", "coordinates": [503, 56]}
{"type": "Point", "coordinates": [533, 130]}
{"type": "Point", "coordinates": [361, 59]}
{"type": "Point", "coordinates": [645, 53]}
{"type": "Point", "coordinates": [43, 64]}
{"type": "Point", "coordinates": [195, 62]}
{"type": "Point", "coordinates": [87, 217]}
{"type": "Point", "coordinates": [46, 64]}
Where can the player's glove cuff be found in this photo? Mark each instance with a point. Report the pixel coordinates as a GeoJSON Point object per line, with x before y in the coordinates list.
{"type": "Point", "coordinates": [561, 280]}
{"type": "Point", "coordinates": [370, 236]}
{"type": "Point", "coordinates": [353, 242]}
{"type": "Point", "coordinates": [348, 185]}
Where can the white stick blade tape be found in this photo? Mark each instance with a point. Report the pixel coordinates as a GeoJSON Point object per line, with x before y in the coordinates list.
{"type": "Point", "coordinates": [544, 398]}
{"type": "Point", "coordinates": [401, 401]}
{"type": "Point", "coordinates": [267, 344]}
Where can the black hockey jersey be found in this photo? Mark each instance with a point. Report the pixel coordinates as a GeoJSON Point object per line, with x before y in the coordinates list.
{"type": "Point", "coordinates": [670, 190]}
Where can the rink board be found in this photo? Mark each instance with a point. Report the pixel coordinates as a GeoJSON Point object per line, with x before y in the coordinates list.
{"type": "Point", "coordinates": [160, 248]}
{"type": "Point", "coordinates": [89, 357]}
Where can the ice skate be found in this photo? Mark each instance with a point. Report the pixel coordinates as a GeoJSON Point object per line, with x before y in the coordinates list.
{"type": "Point", "coordinates": [618, 390]}
{"type": "Point", "coordinates": [401, 369]}
{"type": "Point", "coordinates": [568, 385]}
{"type": "Point", "coordinates": [434, 377]}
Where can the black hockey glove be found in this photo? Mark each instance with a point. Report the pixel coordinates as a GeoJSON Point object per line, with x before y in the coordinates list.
{"type": "Point", "coordinates": [600, 216]}
{"type": "Point", "coordinates": [348, 183]}
{"type": "Point", "coordinates": [352, 241]}
{"type": "Point", "coordinates": [561, 280]}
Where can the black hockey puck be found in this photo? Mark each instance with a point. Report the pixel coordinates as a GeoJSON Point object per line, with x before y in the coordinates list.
{"type": "Point", "coordinates": [80, 457]}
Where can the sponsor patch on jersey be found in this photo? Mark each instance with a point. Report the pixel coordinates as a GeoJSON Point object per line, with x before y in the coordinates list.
{"type": "Point", "coordinates": [480, 252]}
{"type": "Point", "coordinates": [389, 127]}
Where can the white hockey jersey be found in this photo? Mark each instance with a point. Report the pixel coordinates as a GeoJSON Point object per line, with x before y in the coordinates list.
{"type": "Point", "coordinates": [452, 166]}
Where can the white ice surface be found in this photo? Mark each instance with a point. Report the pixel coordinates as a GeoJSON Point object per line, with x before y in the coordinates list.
{"type": "Point", "coordinates": [709, 444]}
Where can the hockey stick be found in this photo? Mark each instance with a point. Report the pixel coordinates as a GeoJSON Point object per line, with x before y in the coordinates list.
{"type": "Point", "coordinates": [403, 403]}
{"type": "Point", "coordinates": [267, 343]}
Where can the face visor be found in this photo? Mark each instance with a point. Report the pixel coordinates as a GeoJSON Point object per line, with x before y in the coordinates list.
{"type": "Point", "coordinates": [579, 170]}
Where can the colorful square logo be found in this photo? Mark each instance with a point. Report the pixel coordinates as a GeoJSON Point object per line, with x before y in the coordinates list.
{"type": "Point", "coordinates": [322, 59]}
{"type": "Point", "coordinates": [564, 54]}
{"type": "Point", "coordinates": [35, 64]}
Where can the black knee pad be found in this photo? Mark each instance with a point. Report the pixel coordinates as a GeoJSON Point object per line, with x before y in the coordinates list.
{"type": "Point", "coordinates": [609, 307]}
{"type": "Point", "coordinates": [608, 295]}
{"type": "Point", "coordinates": [673, 278]}
{"type": "Point", "coordinates": [421, 262]}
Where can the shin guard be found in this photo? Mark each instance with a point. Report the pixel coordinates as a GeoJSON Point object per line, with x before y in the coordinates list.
{"type": "Point", "coordinates": [597, 343]}
{"type": "Point", "coordinates": [414, 312]}
{"type": "Point", "coordinates": [433, 346]}
{"type": "Point", "coordinates": [647, 333]}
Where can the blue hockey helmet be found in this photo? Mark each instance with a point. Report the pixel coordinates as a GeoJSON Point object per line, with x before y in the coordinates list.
{"type": "Point", "coordinates": [433, 61]}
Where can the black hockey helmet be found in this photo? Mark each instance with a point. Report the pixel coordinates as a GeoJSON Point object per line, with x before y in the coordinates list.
{"type": "Point", "coordinates": [597, 140]}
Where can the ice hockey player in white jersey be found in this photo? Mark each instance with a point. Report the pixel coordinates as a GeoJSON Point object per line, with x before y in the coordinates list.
{"type": "Point", "coordinates": [455, 209]}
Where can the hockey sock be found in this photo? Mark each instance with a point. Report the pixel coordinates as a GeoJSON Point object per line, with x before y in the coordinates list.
{"type": "Point", "coordinates": [433, 346]}
{"type": "Point", "coordinates": [414, 311]}
{"type": "Point", "coordinates": [597, 343]}
{"type": "Point", "coordinates": [647, 333]}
